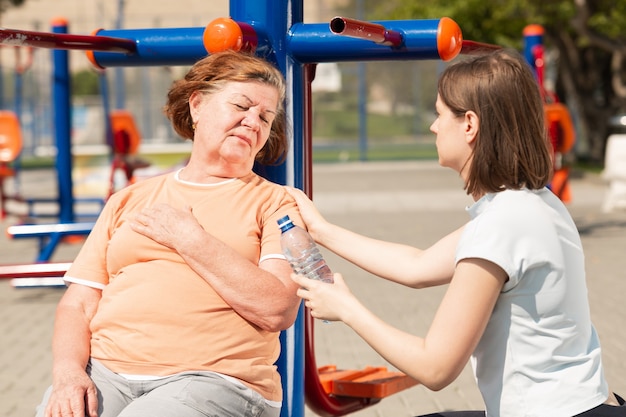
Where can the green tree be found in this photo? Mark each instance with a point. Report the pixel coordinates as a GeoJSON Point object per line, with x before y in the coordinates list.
{"type": "Point", "coordinates": [85, 83]}
{"type": "Point", "coordinates": [584, 39]}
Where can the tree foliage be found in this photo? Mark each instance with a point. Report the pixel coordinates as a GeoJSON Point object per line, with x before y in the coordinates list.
{"type": "Point", "coordinates": [85, 83]}
{"type": "Point", "coordinates": [584, 39]}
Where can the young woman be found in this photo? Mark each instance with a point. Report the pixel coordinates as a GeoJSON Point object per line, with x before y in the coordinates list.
{"type": "Point", "coordinates": [516, 303]}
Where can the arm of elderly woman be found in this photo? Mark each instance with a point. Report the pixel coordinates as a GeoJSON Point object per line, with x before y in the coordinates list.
{"type": "Point", "coordinates": [264, 295]}
{"type": "Point", "coordinates": [73, 391]}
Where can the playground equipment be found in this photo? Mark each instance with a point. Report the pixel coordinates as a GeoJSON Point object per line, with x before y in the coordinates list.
{"type": "Point", "coordinates": [561, 130]}
{"type": "Point", "coordinates": [275, 31]}
{"type": "Point", "coordinates": [126, 140]}
{"type": "Point", "coordinates": [10, 148]}
{"type": "Point", "coordinates": [41, 274]}
{"type": "Point", "coordinates": [11, 133]}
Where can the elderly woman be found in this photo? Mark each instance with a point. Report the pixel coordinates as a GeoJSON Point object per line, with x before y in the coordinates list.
{"type": "Point", "coordinates": [176, 301]}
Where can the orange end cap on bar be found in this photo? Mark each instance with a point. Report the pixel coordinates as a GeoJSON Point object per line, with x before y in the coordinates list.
{"type": "Point", "coordinates": [90, 55]}
{"type": "Point", "coordinates": [58, 21]}
{"type": "Point", "coordinates": [533, 30]}
{"type": "Point", "coordinates": [449, 39]}
{"type": "Point", "coordinates": [222, 34]}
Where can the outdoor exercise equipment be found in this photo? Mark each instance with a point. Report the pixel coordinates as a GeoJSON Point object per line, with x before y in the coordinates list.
{"type": "Point", "coordinates": [562, 133]}
{"type": "Point", "coordinates": [11, 133]}
{"type": "Point", "coordinates": [48, 235]}
{"type": "Point", "coordinates": [21, 66]}
{"type": "Point", "coordinates": [10, 148]}
{"type": "Point", "coordinates": [36, 275]}
{"type": "Point", "coordinates": [126, 141]}
{"type": "Point", "coordinates": [275, 31]}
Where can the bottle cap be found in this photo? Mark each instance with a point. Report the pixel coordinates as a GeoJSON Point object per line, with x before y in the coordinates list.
{"type": "Point", "coordinates": [284, 221]}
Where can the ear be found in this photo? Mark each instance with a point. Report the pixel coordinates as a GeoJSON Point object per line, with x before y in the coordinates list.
{"type": "Point", "coordinates": [472, 124]}
{"type": "Point", "coordinates": [194, 103]}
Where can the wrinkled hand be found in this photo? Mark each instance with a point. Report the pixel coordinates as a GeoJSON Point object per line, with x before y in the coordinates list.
{"type": "Point", "coordinates": [166, 225]}
{"type": "Point", "coordinates": [73, 395]}
{"type": "Point", "coordinates": [327, 301]}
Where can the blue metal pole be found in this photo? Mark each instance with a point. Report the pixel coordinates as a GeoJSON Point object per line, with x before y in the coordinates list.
{"type": "Point", "coordinates": [19, 95]}
{"type": "Point", "coordinates": [155, 47]}
{"type": "Point", "coordinates": [120, 93]}
{"type": "Point", "coordinates": [533, 37]}
{"type": "Point", "coordinates": [271, 21]}
{"type": "Point", "coordinates": [362, 82]}
{"type": "Point", "coordinates": [19, 83]}
{"type": "Point", "coordinates": [1, 87]}
{"type": "Point", "coordinates": [304, 43]}
{"type": "Point", "coordinates": [106, 107]}
{"type": "Point", "coordinates": [362, 75]}
{"type": "Point", "coordinates": [314, 42]}
{"type": "Point", "coordinates": [61, 105]}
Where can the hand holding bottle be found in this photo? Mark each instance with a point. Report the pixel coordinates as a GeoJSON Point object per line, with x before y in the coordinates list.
{"type": "Point", "coordinates": [327, 302]}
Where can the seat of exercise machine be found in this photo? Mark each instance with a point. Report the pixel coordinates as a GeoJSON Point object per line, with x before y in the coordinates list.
{"type": "Point", "coordinates": [369, 382]}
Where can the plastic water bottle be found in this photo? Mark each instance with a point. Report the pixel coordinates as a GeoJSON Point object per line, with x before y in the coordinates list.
{"type": "Point", "coordinates": [302, 253]}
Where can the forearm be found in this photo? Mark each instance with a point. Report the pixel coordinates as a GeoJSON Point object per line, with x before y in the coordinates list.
{"type": "Point", "coordinates": [71, 341]}
{"type": "Point", "coordinates": [406, 352]}
{"type": "Point", "coordinates": [385, 259]}
{"type": "Point", "coordinates": [396, 262]}
{"type": "Point", "coordinates": [438, 358]}
{"type": "Point", "coordinates": [262, 294]}
{"type": "Point", "coordinates": [257, 294]}
{"type": "Point", "coordinates": [73, 393]}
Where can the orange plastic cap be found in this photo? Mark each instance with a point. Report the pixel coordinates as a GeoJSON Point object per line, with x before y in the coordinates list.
{"type": "Point", "coordinates": [533, 30]}
{"type": "Point", "coordinates": [449, 39]}
{"type": "Point", "coordinates": [58, 21]}
{"type": "Point", "coordinates": [222, 34]}
{"type": "Point", "coordinates": [90, 55]}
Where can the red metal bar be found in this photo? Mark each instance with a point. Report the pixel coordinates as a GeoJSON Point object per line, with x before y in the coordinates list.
{"type": "Point", "coordinates": [66, 41]}
{"type": "Point", "coordinates": [317, 399]}
{"type": "Point", "coordinates": [477, 48]}
{"type": "Point", "coordinates": [34, 270]}
{"type": "Point", "coordinates": [365, 30]}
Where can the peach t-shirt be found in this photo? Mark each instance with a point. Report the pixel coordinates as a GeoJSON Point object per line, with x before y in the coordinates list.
{"type": "Point", "coordinates": [157, 316]}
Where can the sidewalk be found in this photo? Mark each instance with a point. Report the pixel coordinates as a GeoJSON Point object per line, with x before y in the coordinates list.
{"type": "Point", "coordinates": [410, 202]}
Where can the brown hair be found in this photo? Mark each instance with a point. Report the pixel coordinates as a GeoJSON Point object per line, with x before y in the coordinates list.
{"type": "Point", "coordinates": [512, 148]}
{"type": "Point", "coordinates": [210, 74]}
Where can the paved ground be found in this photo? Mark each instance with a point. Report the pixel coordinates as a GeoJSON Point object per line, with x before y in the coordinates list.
{"type": "Point", "coordinates": [411, 202]}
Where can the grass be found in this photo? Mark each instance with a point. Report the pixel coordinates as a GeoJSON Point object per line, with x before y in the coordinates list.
{"type": "Point", "coordinates": [335, 124]}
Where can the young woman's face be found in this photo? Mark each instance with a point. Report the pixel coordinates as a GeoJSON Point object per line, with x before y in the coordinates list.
{"type": "Point", "coordinates": [234, 123]}
{"type": "Point", "coordinates": [451, 130]}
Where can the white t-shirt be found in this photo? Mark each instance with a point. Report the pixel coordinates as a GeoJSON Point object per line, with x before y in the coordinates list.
{"type": "Point", "coordinates": [540, 354]}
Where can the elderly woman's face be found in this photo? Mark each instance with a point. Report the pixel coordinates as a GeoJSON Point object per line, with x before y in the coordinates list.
{"type": "Point", "coordinates": [234, 123]}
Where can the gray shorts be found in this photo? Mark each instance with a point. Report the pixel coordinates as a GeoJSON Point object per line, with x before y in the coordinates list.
{"type": "Point", "coordinates": [188, 394]}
